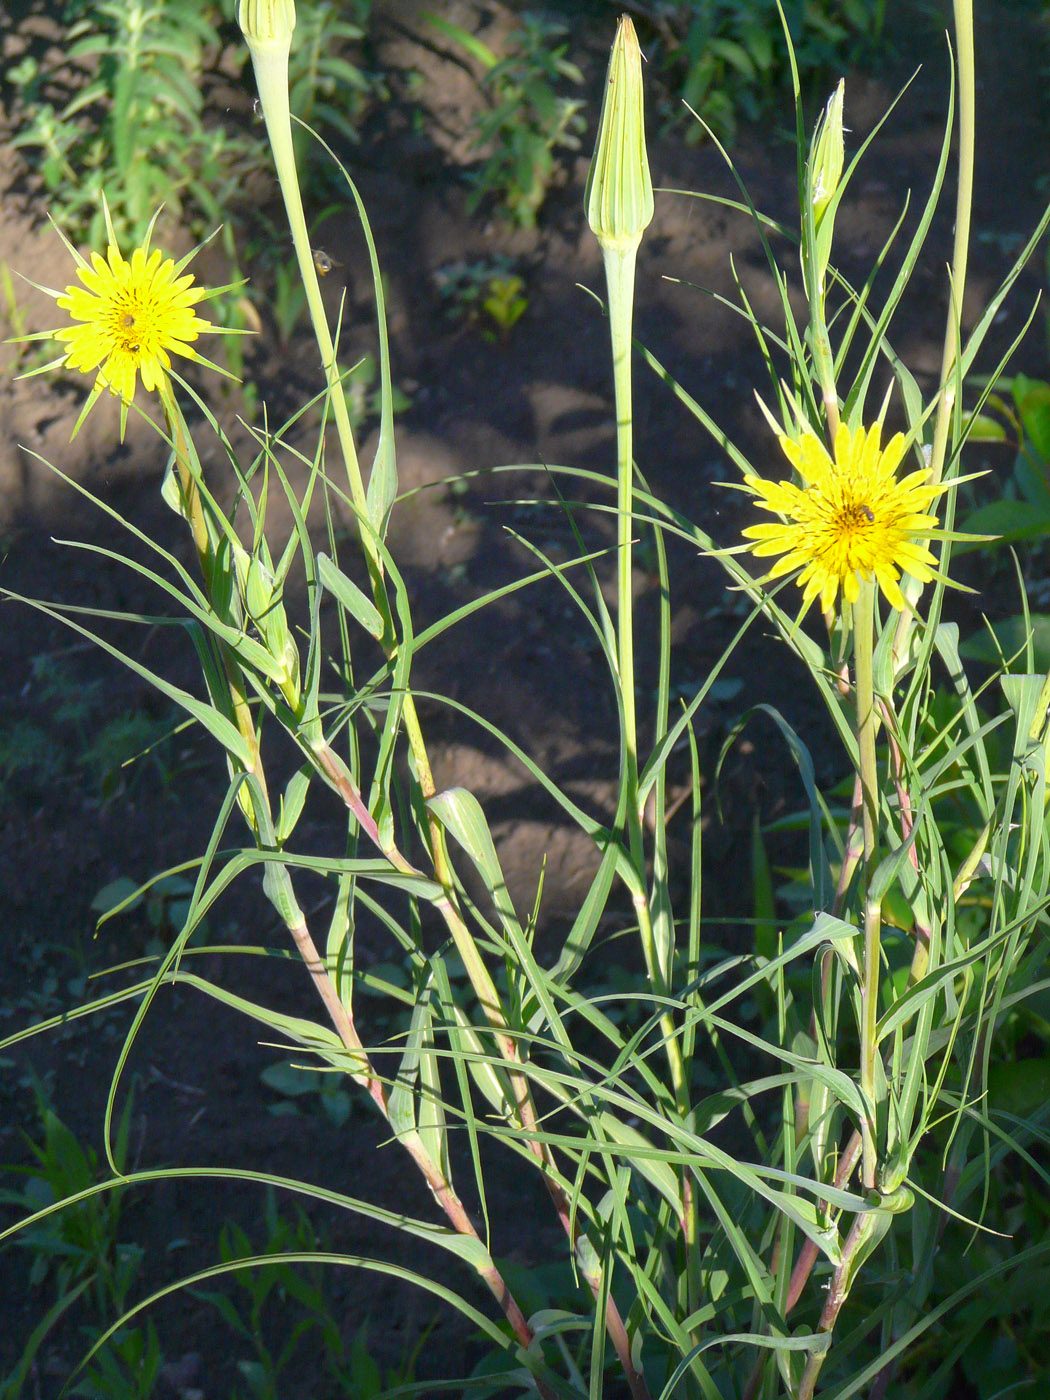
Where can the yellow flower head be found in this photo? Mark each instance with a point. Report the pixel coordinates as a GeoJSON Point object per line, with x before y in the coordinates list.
{"type": "Point", "coordinates": [850, 519]}
{"type": "Point", "coordinates": [132, 315]}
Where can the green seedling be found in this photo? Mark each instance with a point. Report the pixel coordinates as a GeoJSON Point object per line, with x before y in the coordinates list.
{"type": "Point", "coordinates": [487, 293]}
{"type": "Point", "coordinates": [167, 902]}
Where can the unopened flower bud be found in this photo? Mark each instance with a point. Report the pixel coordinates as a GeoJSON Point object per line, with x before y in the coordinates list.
{"type": "Point", "coordinates": [261, 596]}
{"type": "Point", "coordinates": [827, 154]}
{"type": "Point", "coordinates": [619, 195]}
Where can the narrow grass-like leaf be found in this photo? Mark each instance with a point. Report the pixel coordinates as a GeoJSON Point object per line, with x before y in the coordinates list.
{"type": "Point", "coordinates": [346, 592]}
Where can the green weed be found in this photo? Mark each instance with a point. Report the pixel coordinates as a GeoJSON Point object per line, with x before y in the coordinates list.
{"type": "Point", "coordinates": [528, 120]}
{"type": "Point", "coordinates": [726, 59]}
{"type": "Point", "coordinates": [78, 1258]}
{"type": "Point", "coordinates": [281, 1315]}
{"type": "Point", "coordinates": [134, 129]}
{"type": "Point", "coordinates": [74, 727]}
{"type": "Point", "coordinates": [487, 293]}
{"type": "Point", "coordinates": [295, 1084]}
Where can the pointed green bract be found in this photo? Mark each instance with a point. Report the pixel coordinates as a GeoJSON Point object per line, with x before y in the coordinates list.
{"type": "Point", "coordinates": [267, 25]}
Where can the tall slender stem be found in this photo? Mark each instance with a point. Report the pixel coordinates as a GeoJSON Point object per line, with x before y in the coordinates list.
{"type": "Point", "coordinates": [866, 1230]}
{"type": "Point", "coordinates": [863, 632]}
{"type": "Point", "coordinates": [271, 76]}
{"type": "Point", "coordinates": [619, 277]}
{"type": "Point", "coordinates": [963, 12]}
{"type": "Point", "coordinates": [967, 103]}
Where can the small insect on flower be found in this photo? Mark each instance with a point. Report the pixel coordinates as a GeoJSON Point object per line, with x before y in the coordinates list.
{"type": "Point", "coordinates": [850, 519]}
{"type": "Point", "coordinates": [133, 316]}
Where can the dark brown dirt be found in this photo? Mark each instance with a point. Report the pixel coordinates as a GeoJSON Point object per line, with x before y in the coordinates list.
{"type": "Point", "coordinates": [539, 395]}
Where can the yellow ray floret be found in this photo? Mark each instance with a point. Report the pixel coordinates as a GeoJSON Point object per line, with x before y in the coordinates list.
{"type": "Point", "coordinates": [850, 519]}
{"type": "Point", "coordinates": [134, 315]}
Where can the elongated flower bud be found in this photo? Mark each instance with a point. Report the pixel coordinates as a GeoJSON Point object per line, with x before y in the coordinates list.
{"type": "Point", "coordinates": [619, 196]}
{"type": "Point", "coordinates": [823, 175]}
{"type": "Point", "coordinates": [267, 25]}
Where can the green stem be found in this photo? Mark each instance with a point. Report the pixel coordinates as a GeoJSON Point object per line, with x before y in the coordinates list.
{"type": "Point", "coordinates": [963, 10]}
{"type": "Point", "coordinates": [825, 366]}
{"type": "Point", "coordinates": [619, 277]}
{"type": "Point", "coordinates": [619, 280]}
{"type": "Point", "coordinates": [863, 634]}
{"type": "Point", "coordinates": [866, 1231]}
{"type": "Point", "coordinates": [271, 77]}
{"type": "Point", "coordinates": [967, 87]}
